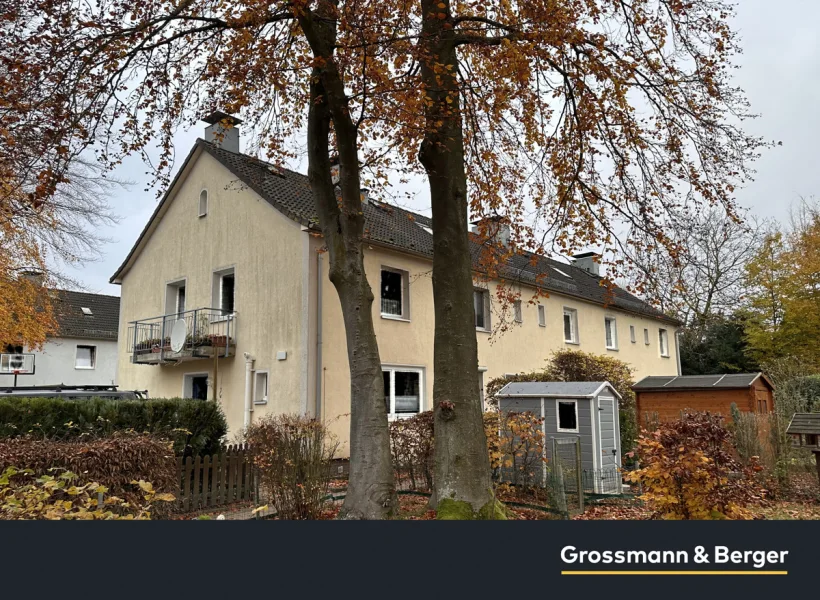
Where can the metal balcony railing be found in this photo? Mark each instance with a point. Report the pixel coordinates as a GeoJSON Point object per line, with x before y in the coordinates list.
{"type": "Point", "coordinates": [192, 334]}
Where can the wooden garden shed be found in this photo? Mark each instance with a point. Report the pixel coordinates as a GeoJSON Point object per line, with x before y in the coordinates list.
{"type": "Point", "coordinates": [667, 397]}
{"type": "Point", "coordinates": [587, 411]}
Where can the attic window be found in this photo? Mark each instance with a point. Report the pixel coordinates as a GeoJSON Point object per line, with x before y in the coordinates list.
{"type": "Point", "coordinates": [426, 228]}
{"type": "Point", "coordinates": [561, 272]}
{"type": "Point", "coordinates": [86, 311]}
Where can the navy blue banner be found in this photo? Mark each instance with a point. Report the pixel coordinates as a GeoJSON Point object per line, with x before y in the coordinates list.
{"type": "Point", "coordinates": [532, 559]}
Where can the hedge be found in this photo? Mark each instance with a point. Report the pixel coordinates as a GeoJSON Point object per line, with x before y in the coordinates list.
{"type": "Point", "coordinates": [113, 461]}
{"type": "Point", "coordinates": [194, 426]}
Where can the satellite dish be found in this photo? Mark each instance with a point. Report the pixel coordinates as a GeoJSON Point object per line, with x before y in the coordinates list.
{"type": "Point", "coordinates": [179, 332]}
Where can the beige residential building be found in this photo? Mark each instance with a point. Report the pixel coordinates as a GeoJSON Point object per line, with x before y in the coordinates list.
{"type": "Point", "coordinates": [226, 295]}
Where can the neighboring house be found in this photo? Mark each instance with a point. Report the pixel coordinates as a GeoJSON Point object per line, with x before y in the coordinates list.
{"type": "Point", "coordinates": [665, 398]}
{"type": "Point", "coordinates": [230, 264]}
{"type": "Point", "coordinates": [84, 349]}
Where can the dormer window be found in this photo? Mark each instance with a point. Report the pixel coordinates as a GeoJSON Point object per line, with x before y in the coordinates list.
{"type": "Point", "coordinates": [203, 203]}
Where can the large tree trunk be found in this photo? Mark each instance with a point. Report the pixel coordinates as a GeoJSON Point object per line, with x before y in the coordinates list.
{"type": "Point", "coordinates": [462, 467]}
{"type": "Point", "coordinates": [371, 489]}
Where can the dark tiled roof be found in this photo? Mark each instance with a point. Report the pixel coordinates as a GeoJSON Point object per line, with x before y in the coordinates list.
{"type": "Point", "coordinates": [101, 324]}
{"type": "Point", "coordinates": [803, 423]}
{"type": "Point", "coordinates": [398, 228]}
{"type": "Point", "coordinates": [735, 381]}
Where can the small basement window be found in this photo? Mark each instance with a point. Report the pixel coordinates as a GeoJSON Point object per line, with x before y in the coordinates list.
{"type": "Point", "coordinates": [481, 305]}
{"type": "Point", "coordinates": [260, 387]}
{"type": "Point", "coordinates": [394, 293]}
{"type": "Point", "coordinates": [568, 416]}
{"type": "Point", "coordinates": [86, 357]}
{"type": "Point", "coordinates": [203, 203]}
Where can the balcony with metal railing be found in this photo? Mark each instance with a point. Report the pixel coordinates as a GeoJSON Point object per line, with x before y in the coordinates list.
{"type": "Point", "coordinates": [189, 335]}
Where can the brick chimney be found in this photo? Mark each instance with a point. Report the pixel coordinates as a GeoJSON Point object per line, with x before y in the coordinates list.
{"type": "Point", "coordinates": [222, 130]}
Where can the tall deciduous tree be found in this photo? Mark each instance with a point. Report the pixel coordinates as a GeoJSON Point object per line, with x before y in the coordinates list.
{"type": "Point", "coordinates": [784, 278]}
{"type": "Point", "coordinates": [117, 77]}
{"type": "Point", "coordinates": [596, 122]}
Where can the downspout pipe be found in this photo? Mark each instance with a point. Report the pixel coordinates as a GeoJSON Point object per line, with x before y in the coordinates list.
{"type": "Point", "coordinates": [678, 334]}
{"type": "Point", "coordinates": [248, 389]}
{"type": "Point", "coordinates": [318, 386]}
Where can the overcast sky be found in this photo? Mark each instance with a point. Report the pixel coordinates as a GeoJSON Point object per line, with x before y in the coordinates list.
{"type": "Point", "coordinates": [779, 72]}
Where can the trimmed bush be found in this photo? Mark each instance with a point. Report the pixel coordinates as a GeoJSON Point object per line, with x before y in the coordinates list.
{"type": "Point", "coordinates": [194, 426]}
{"type": "Point", "coordinates": [292, 455]}
{"type": "Point", "coordinates": [114, 462]}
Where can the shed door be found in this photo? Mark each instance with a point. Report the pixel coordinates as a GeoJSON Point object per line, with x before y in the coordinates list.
{"type": "Point", "coordinates": [608, 446]}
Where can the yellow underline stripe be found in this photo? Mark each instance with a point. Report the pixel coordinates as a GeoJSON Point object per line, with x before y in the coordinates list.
{"type": "Point", "coordinates": [674, 572]}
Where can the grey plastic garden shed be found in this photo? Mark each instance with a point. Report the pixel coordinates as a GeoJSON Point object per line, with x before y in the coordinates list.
{"type": "Point", "coordinates": [583, 410]}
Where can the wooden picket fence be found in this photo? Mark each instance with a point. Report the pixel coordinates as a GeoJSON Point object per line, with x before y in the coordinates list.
{"type": "Point", "coordinates": [217, 480]}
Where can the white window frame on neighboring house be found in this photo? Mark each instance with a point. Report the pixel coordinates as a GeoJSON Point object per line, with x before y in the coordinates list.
{"type": "Point", "coordinates": [485, 296]}
{"type": "Point", "coordinates": [264, 396]}
{"type": "Point", "coordinates": [663, 342]}
{"type": "Point", "coordinates": [518, 311]}
{"type": "Point", "coordinates": [612, 330]}
{"type": "Point", "coordinates": [404, 301]}
{"type": "Point", "coordinates": [393, 369]}
{"type": "Point", "coordinates": [203, 203]}
{"type": "Point", "coordinates": [633, 335]}
{"type": "Point", "coordinates": [92, 356]}
{"type": "Point", "coordinates": [542, 315]}
{"type": "Point", "coordinates": [558, 402]}
{"type": "Point", "coordinates": [573, 325]}
{"type": "Point", "coordinates": [646, 336]}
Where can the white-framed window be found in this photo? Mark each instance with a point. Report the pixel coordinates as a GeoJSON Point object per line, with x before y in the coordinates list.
{"type": "Point", "coordinates": [517, 312]}
{"type": "Point", "coordinates": [403, 391]}
{"type": "Point", "coordinates": [175, 297]}
{"type": "Point", "coordinates": [633, 336]}
{"type": "Point", "coordinates": [481, 305]}
{"type": "Point", "coordinates": [224, 291]}
{"type": "Point", "coordinates": [663, 342]}
{"type": "Point", "coordinates": [646, 336]}
{"type": "Point", "coordinates": [570, 325]}
{"type": "Point", "coordinates": [611, 328]}
{"type": "Point", "coordinates": [260, 387]}
{"type": "Point", "coordinates": [195, 386]}
{"type": "Point", "coordinates": [203, 203]}
{"type": "Point", "coordinates": [567, 415]}
{"type": "Point", "coordinates": [395, 296]}
{"type": "Point", "coordinates": [86, 357]}
{"type": "Point", "coordinates": [542, 315]}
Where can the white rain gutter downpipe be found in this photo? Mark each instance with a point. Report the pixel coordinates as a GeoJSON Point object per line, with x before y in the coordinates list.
{"type": "Point", "coordinates": [319, 282]}
{"type": "Point", "coordinates": [248, 389]}
{"type": "Point", "coordinates": [678, 334]}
